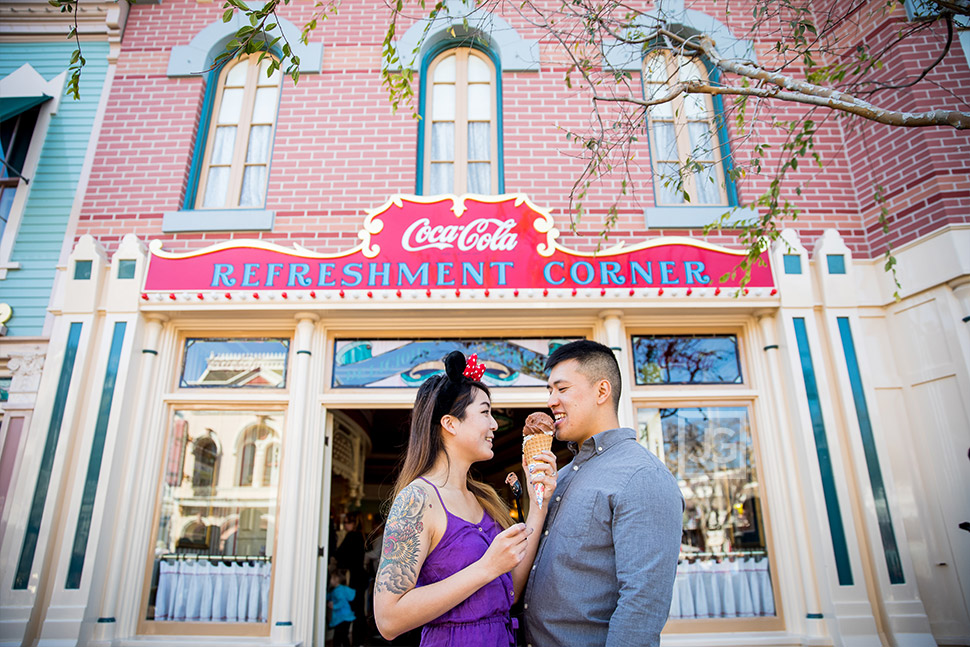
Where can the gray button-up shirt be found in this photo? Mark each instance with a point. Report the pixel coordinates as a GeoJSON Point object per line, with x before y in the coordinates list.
{"type": "Point", "coordinates": [604, 572]}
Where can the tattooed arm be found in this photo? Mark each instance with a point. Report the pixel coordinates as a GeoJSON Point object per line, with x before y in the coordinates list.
{"type": "Point", "coordinates": [398, 605]}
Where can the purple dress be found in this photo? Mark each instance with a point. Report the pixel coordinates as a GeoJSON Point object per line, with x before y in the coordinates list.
{"type": "Point", "coordinates": [483, 618]}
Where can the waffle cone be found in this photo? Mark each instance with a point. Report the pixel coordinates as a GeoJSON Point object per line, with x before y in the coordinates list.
{"type": "Point", "coordinates": [534, 444]}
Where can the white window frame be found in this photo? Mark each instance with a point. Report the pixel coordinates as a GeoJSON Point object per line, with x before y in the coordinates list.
{"type": "Point", "coordinates": [26, 81]}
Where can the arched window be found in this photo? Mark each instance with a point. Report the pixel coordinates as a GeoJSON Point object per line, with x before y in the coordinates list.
{"type": "Point", "coordinates": [460, 124]}
{"type": "Point", "coordinates": [271, 464]}
{"type": "Point", "coordinates": [252, 439]}
{"type": "Point", "coordinates": [684, 139]}
{"type": "Point", "coordinates": [235, 166]}
{"type": "Point", "coordinates": [206, 463]}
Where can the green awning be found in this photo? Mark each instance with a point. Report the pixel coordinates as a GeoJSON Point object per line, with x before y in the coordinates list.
{"type": "Point", "coordinates": [10, 107]}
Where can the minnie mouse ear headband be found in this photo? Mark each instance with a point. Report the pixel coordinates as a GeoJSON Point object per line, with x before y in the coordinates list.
{"type": "Point", "coordinates": [458, 370]}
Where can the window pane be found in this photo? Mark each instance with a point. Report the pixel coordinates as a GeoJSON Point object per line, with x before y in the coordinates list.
{"type": "Point", "coordinates": [695, 106]}
{"type": "Point", "coordinates": [701, 142]}
{"type": "Point", "coordinates": [480, 178]}
{"type": "Point", "coordinates": [443, 102]}
{"type": "Point", "coordinates": [264, 110]}
{"type": "Point", "coordinates": [656, 69]}
{"type": "Point", "coordinates": [724, 567]}
{"type": "Point", "coordinates": [7, 194]}
{"type": "Point", "coordinates": [258, 150]}
{"type": "Point", "coordinates": [253, 187]}
{"type": "Point", "coordinates": [479, 102]}
{"type": "Point", "coordinates": [661, 110]}
{"type": "Point", "coordinates": [708, 192]}
{"type": "Point", "coordinates": [216, 186]}
{"type": "Point", "coordinates": [234, 363]}
{"type": "Point", "coordinates": [442, 178]}
{"type": "Point", "coordinates": [237, 75]}
{"type": "Point", "coordinates": [231, 106]}
{"type": "Point", "coordinates": [478, 70]}
{"type": "Point", "coordinates": [443, 141]}
{"type": "Point", "coordinates": [268, 80]}
{"type": "Point", "coordinates": [479, 141]}
{"type": "Point", "coordinates": [444, 71]}
{"type": "Point", "coordinates": [689, 71]}
{"type": "Point", "coordinates": [223, 145]}
{"type": "Point", "coordinates": [205, 513]}
{"type": "Point", "coordinates": [665, 140]}
{"type": "Point", "coordinates": [399, 363]}
{"type": "Point", "coordinates": [686, 359]}
{"type": "Point", "coordinates": [666, 183]}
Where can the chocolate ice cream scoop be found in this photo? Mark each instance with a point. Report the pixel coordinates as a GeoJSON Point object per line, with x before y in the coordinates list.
{"type": "Point", "coordinates": [537, 423]}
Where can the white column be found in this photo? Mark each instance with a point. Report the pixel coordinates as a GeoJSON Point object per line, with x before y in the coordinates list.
{"type": "Point", "coordinates": [284, 555]}
{"type": "Point", "coordinates": [107, 625]}
{"type": "Point", "coordinates": [613, 327]}
{"type": "Point", "coordinates": [791, 544]}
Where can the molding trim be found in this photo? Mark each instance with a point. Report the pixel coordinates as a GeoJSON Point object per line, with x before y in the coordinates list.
{"type": "Point", "coordinates": [515, 53]}
{"type": "Point", "coordinates": [624, 56]}
{"type": "Point", "coordinates": [693, 217]}
{"type": "Point", "coordinates": [200, 54]}
{"type": "Point", "coordinates": [218, 220]}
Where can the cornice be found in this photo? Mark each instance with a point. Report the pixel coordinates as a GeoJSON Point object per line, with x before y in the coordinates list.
{"type": "Point", "coordinates": [37, 20]}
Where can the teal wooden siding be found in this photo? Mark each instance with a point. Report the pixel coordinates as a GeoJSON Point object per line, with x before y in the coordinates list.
{"type": "Point", "coordinates": [52, 187]}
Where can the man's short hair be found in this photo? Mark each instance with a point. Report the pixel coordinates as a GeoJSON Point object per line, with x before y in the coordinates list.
{"type": "Point", "coordinates": [596, 362]}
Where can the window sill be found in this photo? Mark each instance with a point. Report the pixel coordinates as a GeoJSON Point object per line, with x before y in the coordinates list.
{"type": "Point", "coordinates": [5, 267]}
{"type": "Point", "coordinates": [218, 220]}
{"type": "Point", "coordinates": [688, 217]}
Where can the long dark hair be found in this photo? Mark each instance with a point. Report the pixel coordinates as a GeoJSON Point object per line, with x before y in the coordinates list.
{"type": "Point", "coordinates": [449, 393]}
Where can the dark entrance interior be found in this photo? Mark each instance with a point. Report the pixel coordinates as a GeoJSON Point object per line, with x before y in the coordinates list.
{"type": "Point", "coordinates": [364, 501]}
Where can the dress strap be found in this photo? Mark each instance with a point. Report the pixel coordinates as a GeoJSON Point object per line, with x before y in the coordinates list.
{"type": "Point", "coordinates": [436, 492]}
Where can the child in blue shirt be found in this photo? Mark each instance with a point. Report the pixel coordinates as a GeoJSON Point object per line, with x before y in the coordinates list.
{"type": "Point", "coordinates": [341, 616]}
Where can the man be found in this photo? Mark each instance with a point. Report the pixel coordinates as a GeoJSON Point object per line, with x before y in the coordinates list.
{"type": "Point", "coordinates": [604, 572]}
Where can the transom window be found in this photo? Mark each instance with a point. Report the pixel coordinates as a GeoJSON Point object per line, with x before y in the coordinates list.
{"type": "Point", "coordinates": [235, 168]}
{"type": "Point", "coordinates": [684, 145]}
{"type": "Point", "coordinates": [460, 135]}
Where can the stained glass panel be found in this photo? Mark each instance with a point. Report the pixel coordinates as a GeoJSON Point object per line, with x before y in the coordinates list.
{"type": "Point", "coordinates": [405, 363]}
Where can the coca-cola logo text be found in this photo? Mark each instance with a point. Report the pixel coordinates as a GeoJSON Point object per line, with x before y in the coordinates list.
{"type": "Point", "coordinates": [489, 234]}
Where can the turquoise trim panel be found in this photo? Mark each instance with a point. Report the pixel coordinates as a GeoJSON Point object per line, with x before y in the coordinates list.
{"type": "Point", "coordinates": [836, 263]}
{"type": "Point", "coordinates": [837, 530]}
{"type": "Point", "coordinates": [793, 263]}
{"type": "Point", "coordinates": [53, 186]}
{"type": "Point", "coordinates": [94, 463]}
{"type": "Point", "coordinates": [36, 514]}
{"type": "Point", "coordinates": [422, 105]}
{"type": "Point", "coordinates": [893, 563]}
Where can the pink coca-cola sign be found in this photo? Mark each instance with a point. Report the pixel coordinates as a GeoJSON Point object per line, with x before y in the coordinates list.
{"type": "Point", "coordinates": [469, 242]}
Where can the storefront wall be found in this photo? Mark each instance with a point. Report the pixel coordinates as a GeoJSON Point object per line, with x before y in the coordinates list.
{"type": "Point", "coordinates": [835, 576]}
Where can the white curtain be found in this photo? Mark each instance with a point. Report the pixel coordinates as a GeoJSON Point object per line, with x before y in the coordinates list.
{"type": "Point", "coordinates": [739, 588]}
{"type": "Point", "coordinates": [199, 591]}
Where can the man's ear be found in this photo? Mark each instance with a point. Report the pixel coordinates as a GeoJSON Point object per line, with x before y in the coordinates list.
{"type": "Point", "coordinates": [604, 391]}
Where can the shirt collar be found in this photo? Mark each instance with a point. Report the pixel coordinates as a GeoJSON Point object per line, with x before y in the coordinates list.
{"type": "Point", "coordinates": [599, 443]}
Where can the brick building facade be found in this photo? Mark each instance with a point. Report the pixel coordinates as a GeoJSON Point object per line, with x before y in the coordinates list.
{"type": "Point", "coordinates": [223, 417]}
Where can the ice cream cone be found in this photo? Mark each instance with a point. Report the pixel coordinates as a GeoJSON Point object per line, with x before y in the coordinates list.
{"type": "Point", "coordinates": [537, 438]}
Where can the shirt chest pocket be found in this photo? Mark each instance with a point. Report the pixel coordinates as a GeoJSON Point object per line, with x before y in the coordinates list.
{"type": "Point", "coordinates": [575, 511]}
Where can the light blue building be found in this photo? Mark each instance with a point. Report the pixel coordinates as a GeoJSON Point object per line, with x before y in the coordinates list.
{"type": "Point", "coordinates": [47, 141]}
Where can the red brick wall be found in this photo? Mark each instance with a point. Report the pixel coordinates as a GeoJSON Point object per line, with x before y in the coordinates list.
{"type": "Point", "coordinates": [340, 149]}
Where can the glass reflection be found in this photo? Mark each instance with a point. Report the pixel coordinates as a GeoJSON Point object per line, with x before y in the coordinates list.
{"type": "Point", "coordinates": [692, 359]}
{"type": "Point", "coordinates": [217, 517]}
{"type": "Point", "coordinates": [235, 363]}
{"type": "Point", "coordinates": [724, 568]}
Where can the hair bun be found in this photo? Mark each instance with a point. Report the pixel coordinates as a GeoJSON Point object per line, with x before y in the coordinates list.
{"type": "Point", "coordinates": [455, 365]}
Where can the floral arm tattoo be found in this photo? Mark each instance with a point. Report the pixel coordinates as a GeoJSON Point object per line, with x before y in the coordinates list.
{"type": "Point", "coordinates": [398, 570]}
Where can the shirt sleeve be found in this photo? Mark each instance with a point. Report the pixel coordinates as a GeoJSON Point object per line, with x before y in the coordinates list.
{"type": "Point", "coordinates": [647, 521]}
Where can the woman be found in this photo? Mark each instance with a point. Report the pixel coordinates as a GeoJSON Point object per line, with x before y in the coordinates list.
{"type": "Point", "coordinates": [452, 560]}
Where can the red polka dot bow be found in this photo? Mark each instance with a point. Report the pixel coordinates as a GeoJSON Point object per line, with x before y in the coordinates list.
{"type": "Point", "coordinates": [474, 370]}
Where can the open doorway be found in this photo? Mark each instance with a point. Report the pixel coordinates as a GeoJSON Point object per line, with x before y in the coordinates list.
{"type": "Point", "coordinates": [368, 447]}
